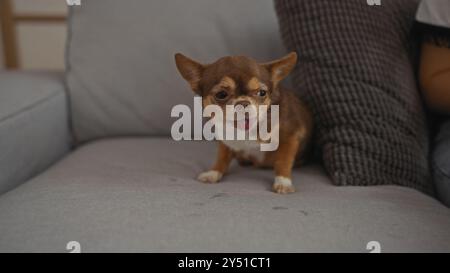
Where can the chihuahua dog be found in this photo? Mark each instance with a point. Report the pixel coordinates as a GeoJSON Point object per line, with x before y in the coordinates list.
{"type": "Point", "coordinates": [239, 80]}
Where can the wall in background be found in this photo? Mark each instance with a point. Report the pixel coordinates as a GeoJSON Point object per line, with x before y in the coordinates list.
{"type": "Point", "coordinates": [41, 45]}
{"type": "Point", "coordinates": [41, 6]}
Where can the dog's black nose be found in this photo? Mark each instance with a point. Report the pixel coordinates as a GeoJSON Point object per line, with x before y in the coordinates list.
{"type": "Point", "coordinates": [244, 103]}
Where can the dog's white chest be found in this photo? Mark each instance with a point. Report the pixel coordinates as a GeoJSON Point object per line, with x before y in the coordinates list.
{"type": "Point", "coordinates": [248, 148]}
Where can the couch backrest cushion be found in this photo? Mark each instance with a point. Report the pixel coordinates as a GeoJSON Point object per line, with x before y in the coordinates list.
{"type": "Point", "coordinates": [356, 71]}
{"type": "Point", "coordinates": [121, 73]}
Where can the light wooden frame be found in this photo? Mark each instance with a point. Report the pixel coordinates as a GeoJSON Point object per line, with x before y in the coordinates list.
{"type": "Point", "coordinates": [8, 21]}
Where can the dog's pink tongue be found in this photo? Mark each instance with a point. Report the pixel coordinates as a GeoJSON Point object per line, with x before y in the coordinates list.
{"type": "Point", "coordinates": [247, 124]}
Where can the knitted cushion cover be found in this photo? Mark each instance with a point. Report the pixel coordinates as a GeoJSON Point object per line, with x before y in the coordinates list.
{"type": "Point", "coordinates": [356, 72]}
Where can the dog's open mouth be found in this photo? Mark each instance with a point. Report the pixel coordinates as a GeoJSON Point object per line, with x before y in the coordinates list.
{"type": "Point", "coordinates": [244, 121]}
{"type": "Point", "coordinates": [244, 124]}
{"type": "Point", "coordinates": [247, 124]}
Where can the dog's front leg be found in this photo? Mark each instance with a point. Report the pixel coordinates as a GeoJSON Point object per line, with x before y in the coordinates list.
{"type": "Point", "coordinates": [284, 161]}
{"type": "Point", "coordinates": [224, 157]}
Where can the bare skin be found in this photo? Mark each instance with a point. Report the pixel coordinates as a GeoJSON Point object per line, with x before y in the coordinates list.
{"type": "Point", "coordinates": [435, 77]}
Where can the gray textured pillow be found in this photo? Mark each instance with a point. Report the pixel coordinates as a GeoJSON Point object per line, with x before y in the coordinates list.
{"type": "Point", "coordinates": [356, 72]}
{"type": "Point", "coordinates": [121, 75]}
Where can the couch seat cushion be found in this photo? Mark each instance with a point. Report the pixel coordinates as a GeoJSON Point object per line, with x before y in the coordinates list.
{"type": "Point", "coordinates": [140, 195]}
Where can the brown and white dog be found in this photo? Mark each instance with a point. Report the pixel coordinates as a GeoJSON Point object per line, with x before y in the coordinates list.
{"type": "Point", "coordinates": [239, 80]}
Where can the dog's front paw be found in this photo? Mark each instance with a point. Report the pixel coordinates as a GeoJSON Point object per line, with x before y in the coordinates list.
{"type": "Point", "coordinates": [283, 185]}
{"type": "Point", "coordinates": [210, 176]}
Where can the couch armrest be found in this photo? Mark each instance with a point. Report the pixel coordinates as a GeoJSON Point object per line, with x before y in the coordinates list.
{"type": "Point", "coordinates": [34, 131]}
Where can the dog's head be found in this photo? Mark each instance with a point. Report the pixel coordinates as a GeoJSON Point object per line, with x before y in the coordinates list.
{"type": "Point", "coordinates": [237, 81]}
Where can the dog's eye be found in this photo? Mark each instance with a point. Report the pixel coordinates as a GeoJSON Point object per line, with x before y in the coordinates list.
{"type": "Point", "coordinates": [261, 93]}
{"type": "Point", "coordinates": [221, 95]}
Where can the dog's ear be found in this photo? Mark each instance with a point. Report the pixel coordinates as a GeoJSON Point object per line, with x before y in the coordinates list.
{"type": "Point", "coordinates": [280, 68]}
{"type": "Point", "coordinates": [190, 70]}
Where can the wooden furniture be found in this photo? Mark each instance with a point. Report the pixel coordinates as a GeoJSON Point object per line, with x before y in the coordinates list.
{"type": "Point", "coordinates": [8, 21]}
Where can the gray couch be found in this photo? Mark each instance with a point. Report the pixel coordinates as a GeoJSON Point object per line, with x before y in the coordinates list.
{"type": "Point", "coordinates": [87, 157]}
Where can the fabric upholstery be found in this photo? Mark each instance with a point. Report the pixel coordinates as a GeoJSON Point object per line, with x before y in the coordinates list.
{"type": "Point", "coordinates": [34, 130]}
{"type": "Point", "coordinates": [121, 70]}
{"type": "Point", "coordinates": [140, 195]}
{"type": "Point", "coordinates": [356, 72]}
